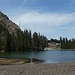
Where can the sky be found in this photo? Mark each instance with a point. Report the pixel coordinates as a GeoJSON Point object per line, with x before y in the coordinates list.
{"type": "Point", "coordinates": [52, 18]}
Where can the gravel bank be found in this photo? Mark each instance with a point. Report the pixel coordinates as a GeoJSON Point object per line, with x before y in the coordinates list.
{"type": "Point", "coordinates": [38, 69]}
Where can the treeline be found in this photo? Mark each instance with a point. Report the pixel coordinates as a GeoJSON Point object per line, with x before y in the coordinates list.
{"type": "Point", "coordinates": [21, 40]}
{"type": "Point", "coordinates": [67, 43]}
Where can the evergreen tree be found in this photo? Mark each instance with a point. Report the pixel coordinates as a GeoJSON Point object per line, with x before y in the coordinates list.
{"type": "Point", "coordinates": [35, 40]}
{"type": "Point", "coordinates": [67, 44]}
{"type": "Point", "coordinates": [8, 42]}
{"type": "Point", "coordinates": [21, 41]}
{"type": "Point", "coordinates": [0, 40]}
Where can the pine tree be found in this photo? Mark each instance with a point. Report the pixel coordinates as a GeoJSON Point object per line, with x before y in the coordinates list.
{"type": "Point", "coordinates": [8, 42]}
{"type": "Point", "coordinates": [35, 40]}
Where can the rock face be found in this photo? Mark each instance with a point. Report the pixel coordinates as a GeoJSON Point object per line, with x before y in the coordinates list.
{"type": "Point", "coordinates": [6, 22]}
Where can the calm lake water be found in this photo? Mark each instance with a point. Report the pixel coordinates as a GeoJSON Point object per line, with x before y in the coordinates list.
{"type": "Point", "coordinates": [55, 56]}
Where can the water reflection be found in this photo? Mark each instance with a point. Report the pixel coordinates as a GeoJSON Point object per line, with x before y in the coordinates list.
{"type": "Point", "coordinates": [43, 56]}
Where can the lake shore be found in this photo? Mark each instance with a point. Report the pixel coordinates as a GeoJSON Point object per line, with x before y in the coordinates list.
{"type": "Point", "coordinates": [18, 61]}
{"type": "Point", "coordinates": [38, 69]}
{"type": "Point", "coordinates": [54, 48]}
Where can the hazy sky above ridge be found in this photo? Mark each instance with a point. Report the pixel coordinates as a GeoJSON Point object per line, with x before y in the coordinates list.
{"type": "Point", "coordinates": [53, 18]}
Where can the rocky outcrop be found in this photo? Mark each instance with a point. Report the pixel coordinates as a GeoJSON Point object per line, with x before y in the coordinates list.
{"type": "Point", "coordinates": [7, 23]}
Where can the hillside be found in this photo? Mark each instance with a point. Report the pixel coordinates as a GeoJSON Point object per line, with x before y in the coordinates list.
{"type": "Point", "coordinates": [8, 24]}
{"type": "Point", "coordinates": [12, 38]}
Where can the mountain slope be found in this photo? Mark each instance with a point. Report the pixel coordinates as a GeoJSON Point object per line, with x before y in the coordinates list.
{"type": "Point", "coordinates": [12, 38]}
{"type": "Point", "coordinates": [7, 23]}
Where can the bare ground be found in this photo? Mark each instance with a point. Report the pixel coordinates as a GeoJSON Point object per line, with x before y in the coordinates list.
{"type": "Point", "coordinates": [38, 69]}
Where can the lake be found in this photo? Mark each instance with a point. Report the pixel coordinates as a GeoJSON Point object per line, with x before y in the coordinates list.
{"type": "Point", "coordinates": [52, 56]}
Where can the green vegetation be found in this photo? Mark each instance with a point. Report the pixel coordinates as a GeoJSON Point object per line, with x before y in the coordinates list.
{"type": "Point", "coordinates": [67, 43]}
{"type": "Point", "coordinates": [22, 41]}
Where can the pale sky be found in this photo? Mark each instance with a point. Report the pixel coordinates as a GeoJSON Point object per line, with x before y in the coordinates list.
{"type": "Point", "coordinates": [53, 18]}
